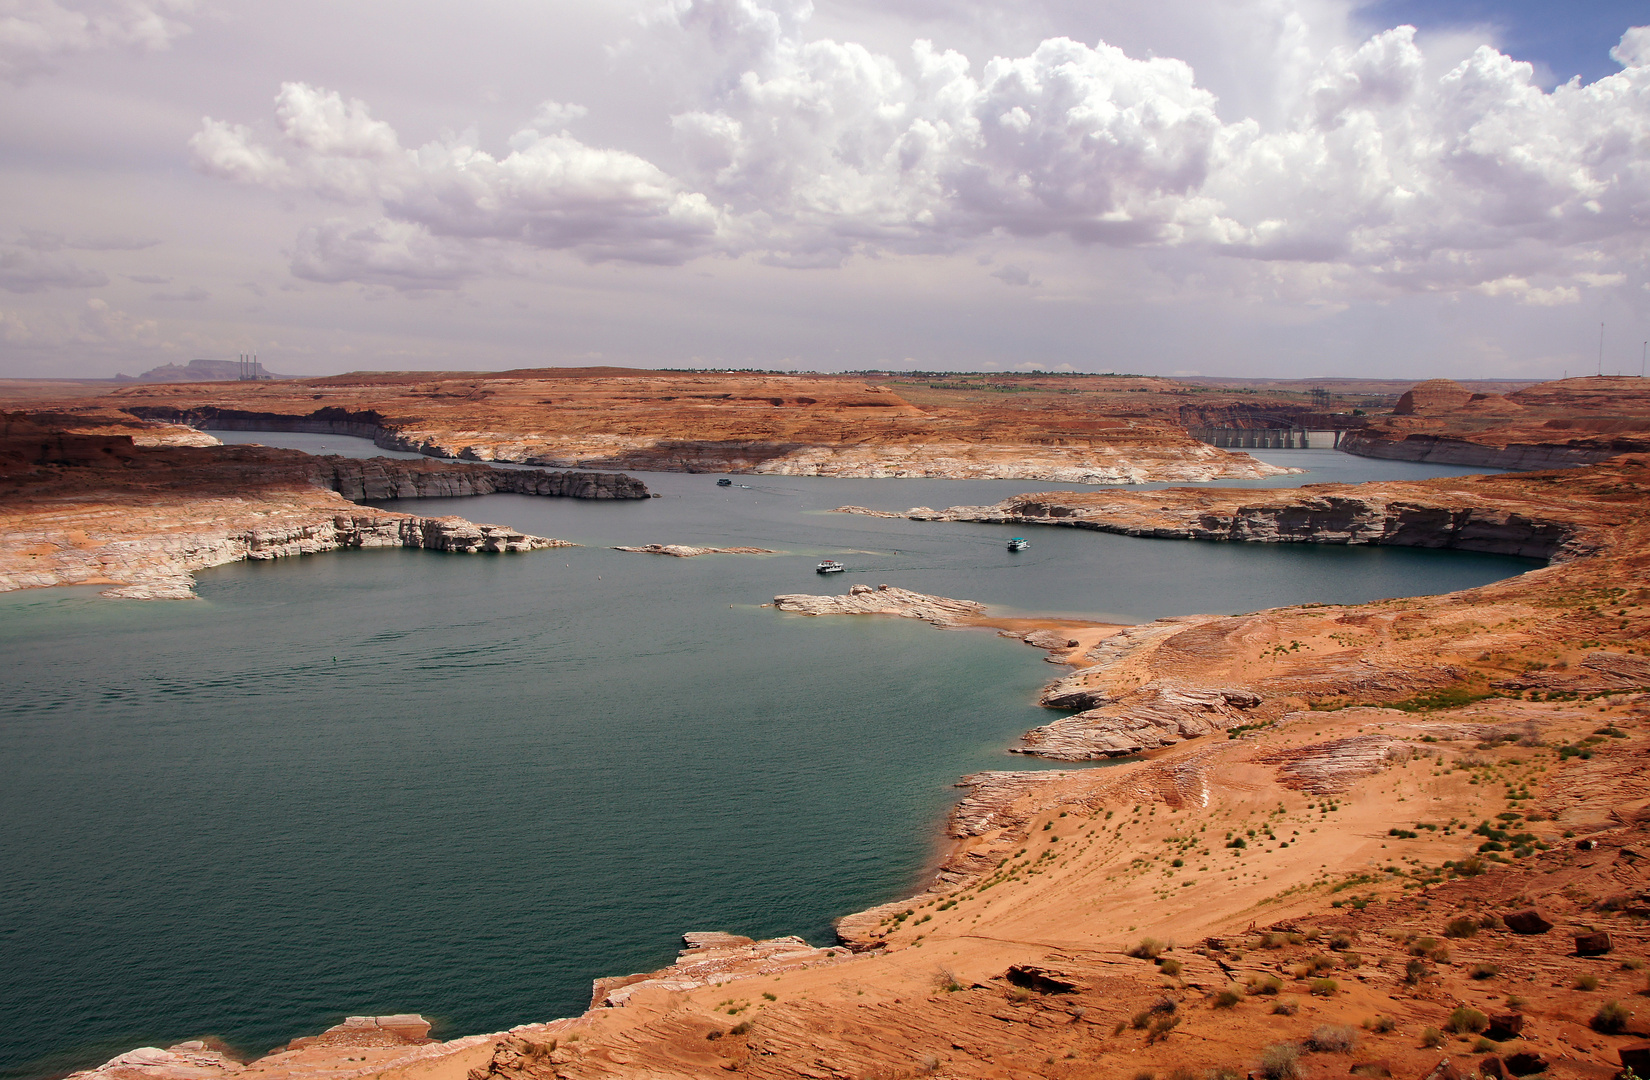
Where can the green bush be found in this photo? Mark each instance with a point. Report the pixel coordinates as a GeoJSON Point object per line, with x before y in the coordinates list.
{"type": "Point", "coordinates": [1462, 926]}
{"type": "Point", "coordinates": [1264, 984]}
{"type": "Point", "coordinates": [1587, 982]}
{"type": "Point", "coordinates": [1225, 999]}
{"type": "Point", "coordinates": [1465, 1021]}
{"type": "Point", "coordinates": [1323, 987]}
{"type": "Point", "coordinates": [1484, 971]}
{"type": "Point", "coordinates": [1432, 1038]}
{"type": "Point", "coordinates": [1611, 1018]}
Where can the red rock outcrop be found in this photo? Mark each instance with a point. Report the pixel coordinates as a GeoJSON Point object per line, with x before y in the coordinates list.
{"type": "Point", "coordinates": [1550, 425]}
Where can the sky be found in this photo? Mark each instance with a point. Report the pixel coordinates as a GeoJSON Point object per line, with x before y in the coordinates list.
{"type": "Point", "coordinates": [1279, 188]}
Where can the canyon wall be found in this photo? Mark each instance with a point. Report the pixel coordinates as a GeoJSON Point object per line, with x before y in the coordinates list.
{"type": "Point", "coordinates": [1110, 432]}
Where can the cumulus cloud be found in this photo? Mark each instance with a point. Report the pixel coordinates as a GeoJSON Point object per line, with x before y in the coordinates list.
{"type": "Point", "coordinates": [552, 191]}
{"type": "Point", "coordinates": [25, 270]}
{"type": "Point", "coordinates": [34, 33]}
{"type": "Point", "coordinates": [1371, 167]}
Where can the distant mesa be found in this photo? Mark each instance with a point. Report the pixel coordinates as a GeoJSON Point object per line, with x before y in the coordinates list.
{"type": "Point", "coordinates": [201, 371]}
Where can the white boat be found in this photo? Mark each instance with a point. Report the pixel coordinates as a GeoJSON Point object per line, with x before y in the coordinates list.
{"type": "Point", "coordinates": [829, 566]}
{"type": "Point", "coordinates": [1019, 543]}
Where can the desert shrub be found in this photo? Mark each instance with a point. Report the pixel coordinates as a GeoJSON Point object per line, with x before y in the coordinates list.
{"type": "Point", "coordinates": [1323, 987]}
{"type": "Point", "coordinates": [1264, 984]}
{"type": "Point", "coordinates": [1415, 971]}
{"type": "Point", "coordinates": [1484, 971]}
{"type": "Point", "coordinates": [1611, 1018]}
{"type": "Point", "coordinates": [1165, 1005]}
{"type": "Point", "coordinates": [1150, 949]}
{"type": "Point", "coordinates": [1432, 1038]}
{"type": "Point", "coordinates": [1341, 940]}
{"type": "Point", "coordinates": [1381, 1024]}
{"type": "Point", "coordinates": [740, 1028]}
{"type": "Point", "coordinates": [1471, 866]}
{"type": "Point", "coordinates": [1183, 1073]}
{"type": "Point", "coordinates": [1141, 1019]}
{"type": "Point", "coordinates": [1222, 1072]}
{"type": "Point", "coordinates": [1462, 926]}
{"type": "Point", "coordinates": [1168, 966]}
{"type": "Point", "coordinates": [1273, 941]}
{"type": "Point", "coordinates": [1465, 1021]}
{"type": "Point", "coordinates": [1332, 1039]}
{"type": "Point", "coordinates": [1423, 946]}
{"type": "Point", "coordinates": [1280, 1061]}
{"type": "Point", "coordinates": [1482, 1045]}
{"type": "Point", "coordinates": [1587, 982]}
{"type": "Point", "coordinates": [1225, 999]}
{"type": "Point", "coordinates": [1321, 962]}
{"type": "Point", "coordinates": [1161, 1027]}
{"type": "Point", "coordinates": [1352, 960]}
{"type": "Point", "coordinates": [1284, 1007]}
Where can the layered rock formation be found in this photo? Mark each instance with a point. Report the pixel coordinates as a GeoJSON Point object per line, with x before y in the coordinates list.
{"type": "Point", "coordinates": [1550, 425]}
{"type": "Point", "coordinates": [98, 509]}
{"type": "Point", "coordinates": [883, 600]}
{"type": "Point", "coordinates": [1468, 513]}
{"type": "Point", "coordinates": [712, 959]}
{"type": "Point", "coordinates": [399, 478]}
{"type": "Point", "coordinates": [722, 422]}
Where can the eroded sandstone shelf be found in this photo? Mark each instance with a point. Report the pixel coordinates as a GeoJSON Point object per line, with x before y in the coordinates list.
{"type": "Point", "coordinates": [101, 509]}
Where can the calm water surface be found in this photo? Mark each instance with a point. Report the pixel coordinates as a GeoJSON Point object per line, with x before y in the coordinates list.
{"type": "Point", "coordinates": [401, 781]}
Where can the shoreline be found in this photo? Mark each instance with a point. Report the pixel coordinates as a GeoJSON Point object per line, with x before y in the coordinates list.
{"type": "Point", "coordinates": [1291, 660]}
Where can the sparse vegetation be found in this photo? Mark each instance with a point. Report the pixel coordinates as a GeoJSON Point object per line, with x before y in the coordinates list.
{"type": "Point", "coordinates": [1462, 926]}
{"type": "Point", "coordinates": [1466, 1021]}
{"type": "Point", "coordinates": [1150, 949]}
{"type": "Point", "coordinates": [1280, 1061]}
{"type": "Point", "coordinates": [1332, 1039]}
{"type": "Point", "coordinates": [1611, 1018]}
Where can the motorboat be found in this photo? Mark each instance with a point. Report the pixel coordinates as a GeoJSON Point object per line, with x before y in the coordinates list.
{"type": "Point", "coordinates": [1019, 543]}
{"type": "Point", "coordinates": [829, 566]}
{"type": "Point", "coordinates": [724, 482]}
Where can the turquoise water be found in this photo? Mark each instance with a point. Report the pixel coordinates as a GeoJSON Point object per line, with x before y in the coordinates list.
{"type": "Point", "coordinates": [465, 786]}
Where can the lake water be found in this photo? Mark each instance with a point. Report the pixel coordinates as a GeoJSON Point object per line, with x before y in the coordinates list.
{"type": "Point", "coordinates": [391, 781]}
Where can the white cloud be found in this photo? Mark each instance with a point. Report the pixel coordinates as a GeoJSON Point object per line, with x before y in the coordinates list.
{"type": "Point", "coordinates": [34, 33]}
{"type": "Point", "coordinates": [101, 324]}
{"type": "Point", "coordinates": [1373, 171]}
{"type": "Point", "coordinates": [552, 191]}
{"type": "Point", "coordinates": [25, 270]}
{"type": "Point", "coordinates": [400, 254]}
